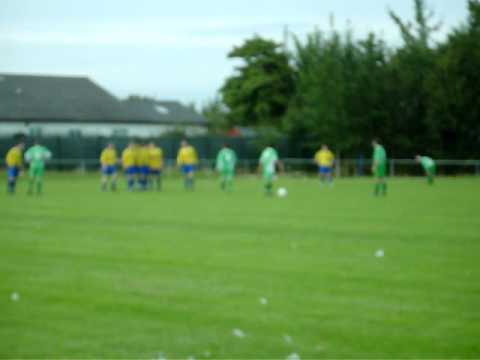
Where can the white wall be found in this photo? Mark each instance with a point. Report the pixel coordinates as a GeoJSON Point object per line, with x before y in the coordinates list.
{"type": "Point", "coordinates": [96, 129]}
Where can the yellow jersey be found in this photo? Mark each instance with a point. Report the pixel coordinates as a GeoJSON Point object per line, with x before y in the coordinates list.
{"type": "Point", "coordinates": [129, 157]}
{"type": "Point", "coordinates": [187, 156]}
{"type": "Point", "coordinates": [324, 158]}
{"type": "Point", "coordinates": [14, 157]}
{"type": "Point", "coordinates": [155, 158]}
{"type": "Point", "coordinates": [142, 157]}
{"type": "Point", "coordinates": [108, 157]}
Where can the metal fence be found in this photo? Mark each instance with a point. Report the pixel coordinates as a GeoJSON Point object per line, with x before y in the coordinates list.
{"type": "Point", "coordinates": [85, 148]}
{"type": "Point", "coordinates": [396, 167]}
{"type": "Point", "coordinates": [297, 167]}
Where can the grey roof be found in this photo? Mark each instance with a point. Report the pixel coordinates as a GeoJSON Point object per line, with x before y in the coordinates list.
{"type": "Point", "coordinates": [55, 98]}
{"type": "Point", "coordinates": [35, 98]}
{"type": "Point", "coordinates": [171, 112]}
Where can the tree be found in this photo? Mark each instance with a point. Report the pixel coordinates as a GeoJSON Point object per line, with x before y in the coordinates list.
{"type": "Point", "coordinates": [317, 110]}
{"type": "Point", "coordinates": [366, 94]}
{"type": "Point", "coordinates": [217, 114]}
{"type": "Point", "coordinates": [408, 71]}
{"type": "Point", "coordinates": [421, 97]}
{"type": "Point", "coordinates": [454, 107]}
{"type": "Point", "coordinates": [418, 34]}
{"type": "Point", "coordinates": [340, 91]}
{"type": "Point", "coordinates": [259, 92]}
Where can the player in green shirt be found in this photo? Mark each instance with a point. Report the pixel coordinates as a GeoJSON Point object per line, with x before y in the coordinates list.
{"type": "Point", "coordinates": [36, 157]}
{"type": "Point", "coordinates": [225, 165]}
{"type": "Point", "coordinates": [429, 166]}
{"type": "Point", "coordinates": [379, 168]}
{"type": "Point", "coordinates": [268, 163]}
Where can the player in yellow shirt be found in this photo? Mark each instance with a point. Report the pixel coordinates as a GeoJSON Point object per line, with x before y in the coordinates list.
{"type": "Point", "coordinates": [325, 160]}
{"type": "Point", "coordinates": [187, 159]}
{"type": "Point", "coordinates": [14, 165]}
{"type": "Point", "coordinates": [155, 164]}
{"type": "Point", "coordinates": [129, 164]}
{"type": "Point", "coordinates": [143, 154]}
{"type": "Point", "coordinates": [108, 163]}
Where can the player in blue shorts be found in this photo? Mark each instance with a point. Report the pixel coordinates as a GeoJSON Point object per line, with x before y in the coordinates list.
{"type": "Point", "coordinates": [143, 166]}
{"type": "Point", "coordinates": [325, 159]}
{"type": "Point", "coordinates": [108, 162]}
{"type": "Point", "coordinates": [155, 163]}
{"type": "Point", "coordinates": [187, 159]}
{"type": "Point", "coordinates": [129, 156]}
{"type": "Point", "coordinates": [14, 165]}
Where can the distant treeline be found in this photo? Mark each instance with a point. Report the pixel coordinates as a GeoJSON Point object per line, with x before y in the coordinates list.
{"type": "Point", "coordinates": [421, 97]}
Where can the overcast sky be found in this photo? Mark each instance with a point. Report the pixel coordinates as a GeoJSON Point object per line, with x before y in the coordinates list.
{"type": "Point", "coordinates": [174, 49]}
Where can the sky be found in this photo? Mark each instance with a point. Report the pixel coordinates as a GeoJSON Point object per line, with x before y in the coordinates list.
{"type": "Point", "coordinates": [176, 50]}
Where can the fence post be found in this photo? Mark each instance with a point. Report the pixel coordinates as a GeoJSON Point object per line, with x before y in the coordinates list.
{"type": "Point", "coordinates": [392, 167]}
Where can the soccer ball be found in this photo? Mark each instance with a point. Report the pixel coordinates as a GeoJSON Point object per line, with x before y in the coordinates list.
{"type": "Point", "coordinates": [14, 296]}
{"type": "Point", "coordinates": [379, 253]}
{"type": "Point", "coordinates": [282, 192]}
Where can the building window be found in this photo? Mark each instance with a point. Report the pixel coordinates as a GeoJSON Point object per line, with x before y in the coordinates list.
{"type": "Point", "coordinates": [161, 109]}
{"type": "Point", "coordinates": [120, 132]}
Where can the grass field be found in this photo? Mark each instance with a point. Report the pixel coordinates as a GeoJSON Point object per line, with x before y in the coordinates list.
{"type": "Point", "coordinates": [172, 274]}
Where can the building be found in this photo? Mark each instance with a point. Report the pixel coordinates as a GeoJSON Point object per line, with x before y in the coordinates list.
{"type": "Point", "coordinates": [76, 106]}
{"type": "Point", "coordinates": [171, 115]}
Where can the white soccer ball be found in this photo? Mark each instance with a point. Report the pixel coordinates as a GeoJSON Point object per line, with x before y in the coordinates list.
{"type": "Point", "coordinates": [379, 253]}
{"type": "Point", "coordinates": [282, 192]}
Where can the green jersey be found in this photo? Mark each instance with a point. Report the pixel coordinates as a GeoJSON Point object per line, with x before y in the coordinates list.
{"type": "Point", "coordinates": [427, 162]}
{"type": "Point", "coordinates": [268, 160]}
{"type": "Point", "coordinates": [226, 160]}
{"type": "Point", "coordinates": [379, 155]}
{"type": "Point", "coordinates": [37, 155]}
